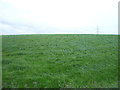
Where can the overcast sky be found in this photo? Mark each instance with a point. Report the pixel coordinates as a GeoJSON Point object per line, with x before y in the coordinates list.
{"type": "Point", "coordinates": [58, 16]}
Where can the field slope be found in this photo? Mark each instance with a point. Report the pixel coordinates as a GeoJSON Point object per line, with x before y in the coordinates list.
{"type": "Point", "coordinates": [58, 61]}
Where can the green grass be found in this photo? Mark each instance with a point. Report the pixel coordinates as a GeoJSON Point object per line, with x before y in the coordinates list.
{"type": "Point", "coordinates": [60, 61]}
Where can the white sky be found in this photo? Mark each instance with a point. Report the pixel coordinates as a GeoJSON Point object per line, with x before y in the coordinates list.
{"type": "Point", "coordinates": [58, 16]}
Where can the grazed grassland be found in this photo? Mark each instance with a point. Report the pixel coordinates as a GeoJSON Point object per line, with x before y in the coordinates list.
{"type": "Point", "coordinates": [58, 61]}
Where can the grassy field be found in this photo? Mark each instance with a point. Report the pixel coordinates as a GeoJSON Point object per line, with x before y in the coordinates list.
{"type": "Point", "coordinates": [60, 61]}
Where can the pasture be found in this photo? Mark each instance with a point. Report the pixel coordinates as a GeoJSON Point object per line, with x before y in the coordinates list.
{"type": "Point", "coordinates": [60, 61]}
